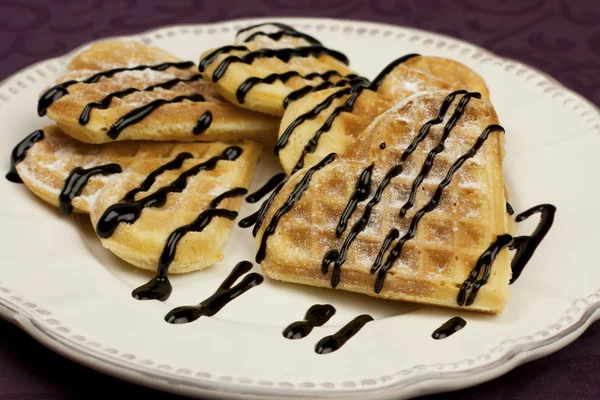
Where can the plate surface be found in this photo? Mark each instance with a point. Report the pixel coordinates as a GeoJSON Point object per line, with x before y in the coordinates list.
{"type": "Point", "coordinates": [62, 287]}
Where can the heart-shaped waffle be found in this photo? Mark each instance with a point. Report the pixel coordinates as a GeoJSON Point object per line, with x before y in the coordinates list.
{"type": "Point", "coordinates": [271, 65]}
{"type": "Point", "coordinates": [330, 120]}
{"type": "Point", "coordinates": [121, 90]}
{"type": "Point", "coordinates": [152, 203]}
{"type": "Point", "coordinates": [407, 221]}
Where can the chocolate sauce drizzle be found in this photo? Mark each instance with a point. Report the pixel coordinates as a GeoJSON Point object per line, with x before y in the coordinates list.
{"type": "Point", "coordinates": [312, 114]}
{"type": "Point", "coordinates": [129, 211]}
{"type": "Point", "coordinates": [248, 221]}
{"type": "Point", "coordinates": [449, 328]}
{"type": "Point", "coordinates": [137, 114]}
{"type": "Point", "coordinates": [429, 160]}
{"type": "Point", "coordinates": [339, 257]}
{"type": "Point", "coordinates": [212, 56]}
{"type": "Point", "coordinates": [361, 193]}
{"type": "Point", "coordinates": [484, 262]}
{"type": "Point", "coordinates": [266, 188]}
{"type": "Point", "coordinates": [249, 83]}
{"type": "Point", "coordinates": [77, 181]}
{"type": "Point", "coordinates": [431, 205]}
{"type": "Point", "coordinates": [103, 104]}
{"type": "Point", "coordinates": [316, 315]}
{"type": "Point", "coordinates": [276, 36]}
{"type": "Point", "coordinates": [348, 80]}
{"type": "Point", "coordinates": [348, 106]}
{"type": "Point", "coordinates": [262, 212]}
{"type": "Point", "coordinates": [19, 152]}
{"type": "Point", "coordinates": [224, 294]}
{"type": "Point", "coordinates": [203, 123]}
{"type": "Point", "coordinates": [159, 287]}
{"type": "Point", "coordinates": [525, 246]}
{"type": "Point", "coordinates": [329, 344]}
{"type": "Point", "coordinates": [60, 90]}
{"type": "Point", "coordinates": [284, 55]}
{"type": "Point", "coordinates": [509, 209]}
{"type": "Point", "coordinates": [282, 26]}
{"type": "Point", "coordinates": [294, 196]}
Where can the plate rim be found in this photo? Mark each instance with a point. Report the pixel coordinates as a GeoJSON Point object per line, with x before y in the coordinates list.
{"type": "Point", "coordinates": [39, 324]}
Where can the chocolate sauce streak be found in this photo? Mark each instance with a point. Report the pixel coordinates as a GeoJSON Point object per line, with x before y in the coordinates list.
{"type": "Point", "coordinates": [509, 209]}
{"type": "Point", "coordinates": [388, 69]}
{"type": "Point", "coordinates": [284, 55]}
{"type": "Point", "coordinates": [361, 193]}
{"type": "Point", "coordinates": [449, 328]}
{"type": "Point", "coordinates": [77, 181]}
{"type": "Point", "coordinates": [159, 287]}
{"type": "Point", "coordinates": [19, 152]}
{"type": "Point", "coordinates": [329, 344]}
{"type": "Point", "coordinates": [283, 27]}
{"type": "Point", "coordinates": [174, 164]}
{"type": "Point", "coordinates": [203, 123]}
{"type": "Point", "coordinates": [248, 84]}
{"type": "Point", "coordinates": [387, 242]}
{"type": "Point", "coordinates": [248, 221]}
{"type": "Point", "coordinates": [526, 245]}
{"type": "Point", "coordinates": [103, 104]}
{"type": "Point", "coordinates": [484, 263]}
{"type": "Point", "coordinates": [312, 114]}
{"type": "Point", "coordinates": [349, 80]}
{"type": "Point", "coordinates": [137, 114]}
{"type": "Point", "coordinates": [429, 160]}
{"type": "Point", "coordinates": [316, 315]}
{"type": "Point", "coordinates": [266, 188]}
{"type": "Point", "coordinates": [276, 36]}
{"type": "Point", "coordinates": [224, 294]}
{"type": "Point", "coordinates": [212, 56]}
{"type": "Point", "coordinates": [339, 257]}
{"type": "Point", "coordinates": [312, 144]}
{"type": "Point", "coordinates": [348, 106]}
{"type": "Point", "coordinates": [294, 196]}
{"type": "Point", "coordinates": [129, 211]}
{"type": "Point", "coordinates": [431, 205]}
{"type": "Point", "coordinates": [262, 212]}
{"type": "Point", "coordinates": [60, 90]}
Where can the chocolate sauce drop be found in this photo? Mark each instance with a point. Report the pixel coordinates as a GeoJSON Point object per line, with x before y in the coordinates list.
{"type": "Point", "coordinates": [60, 90]}
{"type": "Point", "coordinates": [248, 221]}
{"type": "Point", "coordinates": [77, 181]}
{"type": "Point", "coordinates": [329, 344]}
{"type": "Point", "coordinates": [203, 123]}
{"type": "Point", "coordinates": [509, 209]}
{"type": "Point", "coordinates": [224, 294]}
{"type": "Point", "coordinates": [266, 188]}
{"type": "Point", "coordinates": [316, 315]}
{"type": "Point", "coordinates": [19, 152]}
{"type": "Point", "coordinates": [294, 196]}
{"type": "Point", "coordinates": [137, 114]}
{"type": "Point", "coordinates": [449, 328]}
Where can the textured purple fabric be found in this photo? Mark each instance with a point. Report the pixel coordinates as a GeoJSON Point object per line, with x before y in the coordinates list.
{"type": "Point", "coordinates": [560, 37]}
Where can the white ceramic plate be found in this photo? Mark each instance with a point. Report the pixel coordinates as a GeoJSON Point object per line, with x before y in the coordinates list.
{"type": "Point", "coordinates": [63, 288]}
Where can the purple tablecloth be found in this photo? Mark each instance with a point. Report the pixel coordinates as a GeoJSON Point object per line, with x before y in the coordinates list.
{"type": "Point", "coordinates": [560, 37]}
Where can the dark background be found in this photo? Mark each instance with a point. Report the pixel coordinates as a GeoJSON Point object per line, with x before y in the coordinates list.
{"type": "Point", "coordinates": [560, 37]}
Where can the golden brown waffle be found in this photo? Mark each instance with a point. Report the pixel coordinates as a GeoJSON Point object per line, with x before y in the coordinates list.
{"type": "Point", "coordinates": [306, 136]}
{"type": "Point", "coordinates": [130, 104]}
{"type": "Point", "coordinates": [268, 62]}
{"type": "Point", "coordinates": [50, 162]}
{"type": "Point", "coordinates": [449, 238]}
